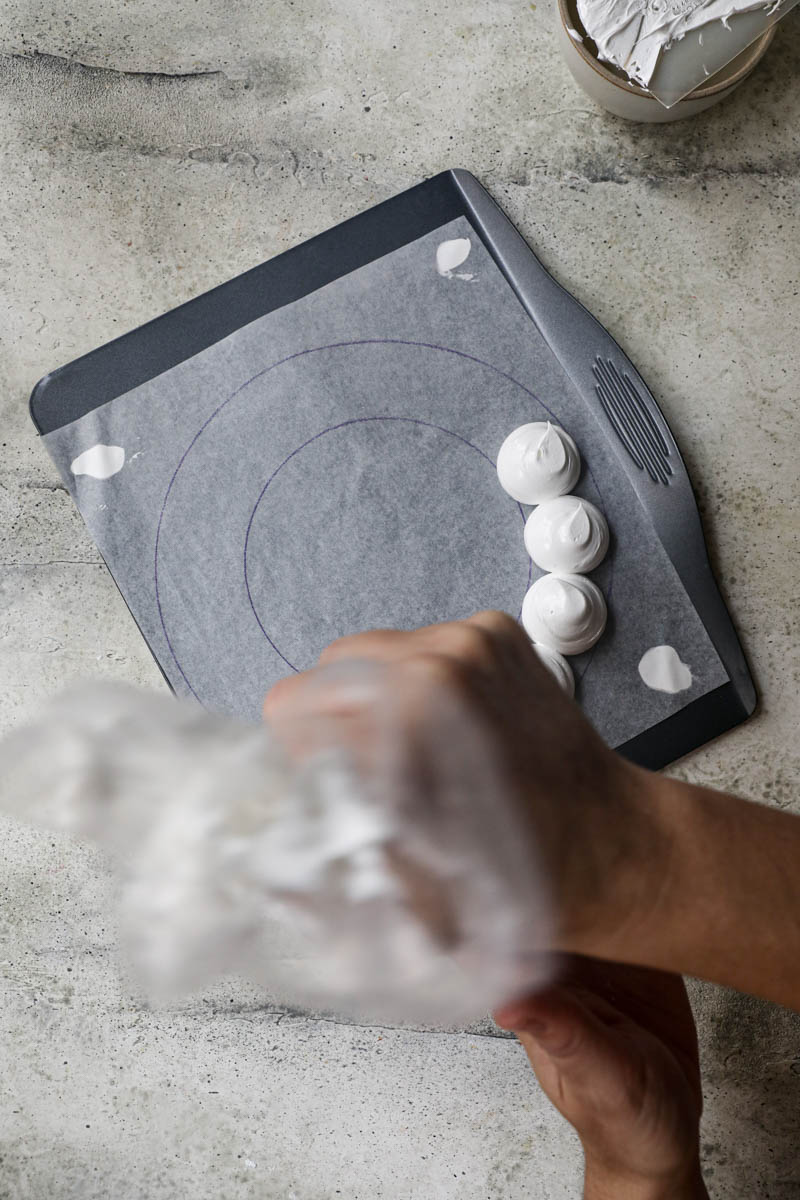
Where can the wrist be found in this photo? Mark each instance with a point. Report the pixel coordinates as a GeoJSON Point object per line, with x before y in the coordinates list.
{"type": "Point", "coordinates": [604, 1183]}
{"type": "Point", "coordinates": [612, 915]}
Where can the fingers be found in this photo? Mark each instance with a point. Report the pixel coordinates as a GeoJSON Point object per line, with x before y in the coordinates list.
{"type": "Point", "coordinates": [479, 640]}
{"type": "Point", "coordinates": [500, 625]}
{"type": "Point", "coordinates": [279, 694]}
{"type": "Point", "coordinates": [545, 1013]}
{"type": "Point", "coordinates": [485, 647]}
{"type": "Point", "coordinates": [654, 999]}
{"type": "Point", "coordinates": [382, 645]}
{"type": "Point", "coordinates": [336, 690]}
{"type": "Point", "coordinates": [403, 674]}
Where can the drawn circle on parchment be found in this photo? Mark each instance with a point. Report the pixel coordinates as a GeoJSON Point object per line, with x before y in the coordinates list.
{"type": "Point", "coordinates": [252, 532]}
{"type": "Point", "coordinates": [358, 535]}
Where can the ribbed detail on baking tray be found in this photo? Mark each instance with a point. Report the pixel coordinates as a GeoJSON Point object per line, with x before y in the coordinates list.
{"type": "Point", "coordinates": [632, 423]}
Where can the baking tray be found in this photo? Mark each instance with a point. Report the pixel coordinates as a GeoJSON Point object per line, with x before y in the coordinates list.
{"type": "Point", "coordinates": [427, 334]}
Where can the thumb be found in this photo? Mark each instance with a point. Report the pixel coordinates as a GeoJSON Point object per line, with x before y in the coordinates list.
{"type": "Point", "coordinates": [555, 1025]}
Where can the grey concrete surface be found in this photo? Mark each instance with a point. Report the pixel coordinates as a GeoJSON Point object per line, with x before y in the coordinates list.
{"type": "Point", "coordinates": [152, 150]}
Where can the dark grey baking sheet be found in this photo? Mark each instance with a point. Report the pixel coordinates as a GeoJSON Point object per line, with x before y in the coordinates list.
{"type": "Point", "coordinates": [330, 467]}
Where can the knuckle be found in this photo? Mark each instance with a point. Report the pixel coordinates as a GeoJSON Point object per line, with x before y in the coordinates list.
{"type": "Point", "coordinates": [340, 648]}
{"type": "Point", "coordinates": [501, 626]}
{"type": "Point", "coordinates": [276, 698]}
{"type": "Point", "coordinates": [470, 643]}
{"type": "Point", "coordinates": [373, 644]}
{"type": "Point", "coordinates": [432, 672]}
{"type": "Point", "coordinates": [496, 621]}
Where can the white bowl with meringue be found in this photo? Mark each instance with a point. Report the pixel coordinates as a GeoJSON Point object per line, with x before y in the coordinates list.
{"type": "Point", "coordinates": [611, 89]}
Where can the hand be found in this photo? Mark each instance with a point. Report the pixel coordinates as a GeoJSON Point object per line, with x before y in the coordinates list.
{"type": "Point", "coordinates": [578, 804]}
{"type": "Point", "coordinates": [615, 1049]}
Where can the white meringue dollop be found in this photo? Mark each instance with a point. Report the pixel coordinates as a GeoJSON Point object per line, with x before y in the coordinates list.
{"type": "Point", "coordinates": [565, 612]}
{"type": "Point", "coordinates": [567, 534]}
{"type": "Point", "coordinates": [452, 254]}
{"type": "Point", "coordinates": [661, 668]}
{"type": "Point", "coordinates": [558, 667]}
{"type": "Point", "coordinates": [538, 462]}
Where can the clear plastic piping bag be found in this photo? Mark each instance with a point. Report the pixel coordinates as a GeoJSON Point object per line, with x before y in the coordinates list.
{"type": "Point", "coordinates": [383, 870]}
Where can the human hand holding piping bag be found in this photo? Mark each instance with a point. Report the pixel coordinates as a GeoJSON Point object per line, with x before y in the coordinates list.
{"type": "Point", "coordinates": [483, 692]}
{"type": "Point", "coordinates": [613, 1047]}
{"type": "Point", "coordinates": [642, 870]}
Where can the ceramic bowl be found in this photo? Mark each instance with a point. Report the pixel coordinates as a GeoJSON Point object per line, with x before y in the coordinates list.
{"type": "Point", "coordinates": [609, 87]}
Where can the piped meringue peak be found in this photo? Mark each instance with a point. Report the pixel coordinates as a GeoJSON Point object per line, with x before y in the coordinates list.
{"type": "Point", "coordinates": [566, 613]}
{"type": "Point", "coordinates": [563, 613]}
{"type": "Point", "coordinates": [538, 462]}
{"type": "Point", "coordinates": [567, 534]}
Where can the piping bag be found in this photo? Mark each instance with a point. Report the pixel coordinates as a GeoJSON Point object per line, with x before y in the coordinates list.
{"type": "Point", "coordinates": [398, 874]}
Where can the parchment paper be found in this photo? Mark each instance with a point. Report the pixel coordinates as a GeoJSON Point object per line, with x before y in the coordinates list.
{"type": "Point", "coordinates": [329, 468]}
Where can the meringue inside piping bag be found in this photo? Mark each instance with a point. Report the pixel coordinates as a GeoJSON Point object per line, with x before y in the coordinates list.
{"type": "Point", "coordinates": [404, 884]}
